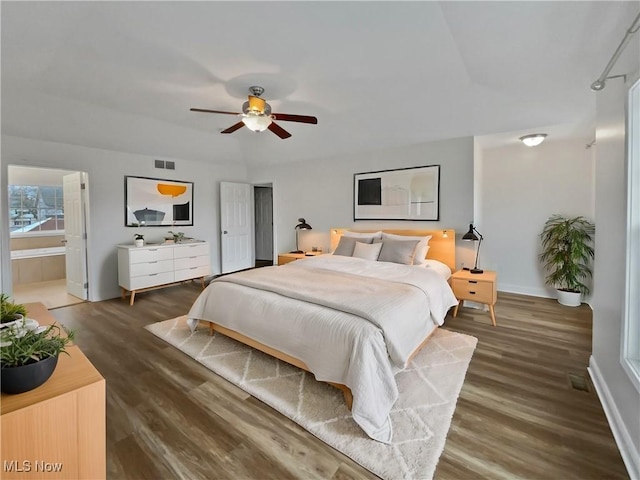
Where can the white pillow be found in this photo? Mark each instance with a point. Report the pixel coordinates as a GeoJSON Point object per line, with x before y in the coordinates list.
{"type": "Point", "coordinates": [374, 235]}
{"type": "Point", "coordinates": [368, 251]}
{"type": "Point", "coordinates": [421, 249]}
{"type": "Point", "coordinates": [439, 267]}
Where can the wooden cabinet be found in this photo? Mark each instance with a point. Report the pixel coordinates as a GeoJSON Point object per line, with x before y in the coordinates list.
{"type": "Point", "coordinates": [290, 257]}
{"type": "Point", "coordinates": [155, 266]}
{"type": "Point", "coordinates": [58, 430]}
{"type": "Point", "coordinates": [476, 287]}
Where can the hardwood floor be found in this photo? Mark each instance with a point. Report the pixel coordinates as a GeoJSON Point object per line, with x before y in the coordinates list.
{"type": "Point", "coordinates": [518, 415]}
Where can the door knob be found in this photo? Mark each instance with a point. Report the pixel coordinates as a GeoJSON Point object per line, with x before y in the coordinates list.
{"type": "Point", "coordinates": [225, 232]}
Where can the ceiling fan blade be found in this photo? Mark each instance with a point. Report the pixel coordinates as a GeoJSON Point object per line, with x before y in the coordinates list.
{"type": "Point", "coordinates": [278, 130]}
{"type": "Point", "coordinates": [213, 111]}
{"type": "Point", "coordinates": [233, 128]}
{"type": "Point", "coordinates": [295, 118]}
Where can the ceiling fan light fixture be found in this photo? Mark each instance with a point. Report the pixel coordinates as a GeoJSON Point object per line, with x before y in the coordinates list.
{"type": "Point", "coordinates": [534, 139]}
{"type": "Point", "coordinates": [256, 122]}
{"type": "Point", "coordinates": [256, 104]}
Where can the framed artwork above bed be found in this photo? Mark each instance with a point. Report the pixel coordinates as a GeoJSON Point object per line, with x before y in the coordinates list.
{"type": "Point", "coordinates": [404, 194]}
{"type": "Point", "coordinates": [157, 202]}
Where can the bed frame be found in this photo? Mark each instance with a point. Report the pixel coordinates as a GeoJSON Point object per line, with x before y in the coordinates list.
{"type": "Point", "coordinates": [441, 247]}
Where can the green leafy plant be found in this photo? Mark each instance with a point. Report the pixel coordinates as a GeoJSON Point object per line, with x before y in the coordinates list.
{"type": "Point", "coordinates": [177, 236]}
{"type": "Point", "coordinates": [9, 309]}
{"type": "Point", "coordinates": [567, 252]}
{"type": "Point", "coordinates": [20, 345]}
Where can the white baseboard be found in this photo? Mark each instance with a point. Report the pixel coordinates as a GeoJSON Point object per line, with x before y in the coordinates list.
{"type": "Point", "coordinates": [531, 291]}
{"type": "Point", "coordinates": [630, 456]}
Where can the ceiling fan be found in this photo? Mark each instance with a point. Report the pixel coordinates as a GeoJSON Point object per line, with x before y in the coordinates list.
{"type": "Point", "coordinates": [256, 115]}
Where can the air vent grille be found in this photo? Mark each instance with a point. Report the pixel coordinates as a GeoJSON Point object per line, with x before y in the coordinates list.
{"type": "Point", "coordinates": [165, 164]}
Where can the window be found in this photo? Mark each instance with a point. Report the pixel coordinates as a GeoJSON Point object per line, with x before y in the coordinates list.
{"type": "Point", "coordinates": [34, 209]}
{"type": "Point", "coordinates": [631, 329]}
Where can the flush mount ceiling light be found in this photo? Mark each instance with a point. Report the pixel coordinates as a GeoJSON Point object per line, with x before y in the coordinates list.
{"type": "Point", "coordinates": [534, 139]}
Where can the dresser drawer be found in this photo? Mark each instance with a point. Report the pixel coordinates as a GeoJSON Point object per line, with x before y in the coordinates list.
{"type": "Point", "coordinates": [190, 262]}
{"type": "Point", "coordinates": [151, 280]}
{"type": "Point", "coordinates": [193, 272]}
{"type": "Point", "coordinates": [478, 291]}
{"type": "Point", "coordinates": [155, 266]}
{"type": "Point", "coordinates": [191, 250]}
{"type": "Point", "coordinates": [144, 255]}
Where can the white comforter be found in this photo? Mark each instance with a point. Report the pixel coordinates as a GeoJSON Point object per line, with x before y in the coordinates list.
{"type": "Point", "coordinates": [351, 321]}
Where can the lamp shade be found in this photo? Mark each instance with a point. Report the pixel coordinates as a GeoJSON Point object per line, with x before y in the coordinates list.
{"type": "Point", "coordinates": [470, 235]}
{"type": "Point", "coordinates": [256, 122]}
{"type": "Point", "coordinates": [303, 225]}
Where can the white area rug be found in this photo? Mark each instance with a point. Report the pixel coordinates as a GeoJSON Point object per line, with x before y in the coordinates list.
{"type": "Point", "coordinates": [421, 417]}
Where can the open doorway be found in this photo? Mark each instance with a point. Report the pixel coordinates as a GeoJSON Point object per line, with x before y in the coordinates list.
{"type": "Point", "coordinates": [263, 219]}
{"type": "Point", "coordinates": [47, 223]}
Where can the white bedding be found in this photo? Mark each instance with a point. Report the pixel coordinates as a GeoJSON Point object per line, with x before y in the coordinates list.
{"type": "Point", "coordinates": [351, 321]}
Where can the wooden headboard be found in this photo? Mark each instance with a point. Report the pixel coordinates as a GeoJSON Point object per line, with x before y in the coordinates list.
{"type": "Point", "coordinates": [442, 246]}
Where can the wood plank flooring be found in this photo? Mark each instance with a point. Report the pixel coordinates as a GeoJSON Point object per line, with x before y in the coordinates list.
{"type": "Point", "coordinates": [518, 415]}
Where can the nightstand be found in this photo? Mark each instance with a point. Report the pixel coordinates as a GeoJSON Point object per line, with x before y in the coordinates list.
{"type": "Point", "coordinates": [290, 257]}
{"type": "Point", "coordinates": [476, 287]}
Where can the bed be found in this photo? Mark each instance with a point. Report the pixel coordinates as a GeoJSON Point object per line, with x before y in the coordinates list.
{"type": "Point", "coordinates": [352, 321]}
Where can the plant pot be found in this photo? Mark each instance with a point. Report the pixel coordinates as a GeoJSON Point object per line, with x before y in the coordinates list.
{"type": "Point", "coordinates": [569, 299]}
{"type": "Point", "coordinates": [27, 377]}
{"type": "Point", "coordinates": [139, 243]}
{"type": "Point", "coordinates": [14, 318]}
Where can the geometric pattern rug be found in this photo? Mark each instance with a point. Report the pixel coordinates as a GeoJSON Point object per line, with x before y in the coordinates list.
{"type": "Point", "coordinates": [429, 388]}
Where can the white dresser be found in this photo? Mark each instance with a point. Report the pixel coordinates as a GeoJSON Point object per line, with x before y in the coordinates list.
{"type": "Point", "coordinates": [154, 266]}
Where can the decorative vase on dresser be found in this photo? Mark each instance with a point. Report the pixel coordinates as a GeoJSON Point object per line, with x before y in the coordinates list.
{"type": "Point", "coordinates": [155, 266]}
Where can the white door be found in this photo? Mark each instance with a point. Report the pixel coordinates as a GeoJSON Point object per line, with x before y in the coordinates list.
{"type": "Point", "coordinates": [264, 222]}
{"type": "Point", "coordinates": [75, 235]}
{"type": "Point", "coordinates": [236, 219]}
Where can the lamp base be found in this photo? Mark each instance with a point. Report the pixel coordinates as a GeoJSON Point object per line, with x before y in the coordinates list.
{"type": "Point", "coordinates": [297, 251]}
{"type": "Point", "coordinates": [476, 270]}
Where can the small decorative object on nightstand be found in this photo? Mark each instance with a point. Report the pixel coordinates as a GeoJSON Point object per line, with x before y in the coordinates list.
{"type": "Point", "coordinates": [476, 287]}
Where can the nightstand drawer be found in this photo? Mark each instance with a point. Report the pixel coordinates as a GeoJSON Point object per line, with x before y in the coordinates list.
{"type": "Point", "coordinates": [282, 259]}
{"type": "Point", "coordinates": [473, 290]}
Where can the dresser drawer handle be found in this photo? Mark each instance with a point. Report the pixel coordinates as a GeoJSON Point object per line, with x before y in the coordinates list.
{"type": "Point", "coordinates": [153, 274]}
{"type": "Point", "coordinates": [153, 250]}
{"type": "Point", "coordinates": [473, 281]}
{"type": "Point", "coordinates": [193, 268]}
{"type": "Point", "coordinates": [155, 261]}
{"type": "Point", "coordinates": [193, 257]}
{"type": "Point", "coordinates": [472, 293]}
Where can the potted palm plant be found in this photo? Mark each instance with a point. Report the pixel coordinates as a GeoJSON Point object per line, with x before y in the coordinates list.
{"type": "Point", "coordinates": [29, 354]}
{"type": "Point", "coordinates": [567, 253]}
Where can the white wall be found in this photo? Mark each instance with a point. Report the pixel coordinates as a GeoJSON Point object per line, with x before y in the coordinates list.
{"type": "Point", "coordinates": [617, 393]}
{"type": "Point", "coordinates": [520, 188]}
{"type": "Point", "coordinates": [106, 170]}
{"type": "Point", "coordinates": [321, 191]}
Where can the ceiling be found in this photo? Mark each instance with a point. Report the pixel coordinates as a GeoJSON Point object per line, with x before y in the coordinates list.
{"type": "Point", "coordinates": [123, 75]}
